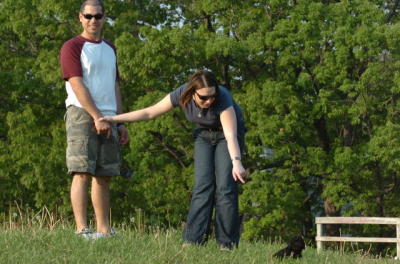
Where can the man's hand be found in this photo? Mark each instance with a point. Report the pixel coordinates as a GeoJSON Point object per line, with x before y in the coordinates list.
{"type": "Point", "coordinates": [102, 127]}
{"type": "Point", "coordinates": [123, 134]}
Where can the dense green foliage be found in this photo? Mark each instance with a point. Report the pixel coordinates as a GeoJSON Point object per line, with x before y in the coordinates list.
{"type": "Point", "coordinates": [318, 82]}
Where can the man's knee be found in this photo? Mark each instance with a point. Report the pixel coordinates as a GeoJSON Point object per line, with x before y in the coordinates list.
{"type": "Point", "coordinates": [83, 178]}
{"type": "Point", "coordinates": [103, 181]}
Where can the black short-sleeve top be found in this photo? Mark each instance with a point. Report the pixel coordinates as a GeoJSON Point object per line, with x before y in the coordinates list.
{"type": "Point", "coordinates": [209, 118]}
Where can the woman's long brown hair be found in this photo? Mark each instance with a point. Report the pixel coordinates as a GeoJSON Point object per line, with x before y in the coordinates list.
{"type": "Point", "coordinates": [198, 80]}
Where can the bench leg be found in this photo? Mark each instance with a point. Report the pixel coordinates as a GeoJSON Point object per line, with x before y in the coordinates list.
{"type": "Point", "coordinates": [398, 241]}
{"type": "Point", "coordinates": [319, 234]}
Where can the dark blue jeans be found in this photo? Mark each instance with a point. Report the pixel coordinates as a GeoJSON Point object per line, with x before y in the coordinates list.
{"type": "Point", "coordinates": [214, 186]}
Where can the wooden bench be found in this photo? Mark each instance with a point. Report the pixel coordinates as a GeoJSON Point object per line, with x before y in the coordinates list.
{"type": "Point", "coordinates": [358, 220]}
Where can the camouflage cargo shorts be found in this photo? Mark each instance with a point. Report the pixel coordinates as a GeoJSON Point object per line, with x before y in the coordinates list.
{"type": "Point", "coordinates": [88, 152]}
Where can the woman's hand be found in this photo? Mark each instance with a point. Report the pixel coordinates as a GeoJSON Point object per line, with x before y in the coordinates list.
{"type": "Point", "coordinates": [238, 172]}
{"type": "Point", "coordinates": [107, 118]}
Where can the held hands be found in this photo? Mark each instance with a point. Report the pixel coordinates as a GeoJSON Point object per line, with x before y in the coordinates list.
{"type": "Point", "coordinates": [238, 172]}
{"type": "Point", "coordinates": [102, 127]}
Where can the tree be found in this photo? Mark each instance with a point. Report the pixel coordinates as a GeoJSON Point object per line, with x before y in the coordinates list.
{"type": "Point", "coordinates": [329, 95]}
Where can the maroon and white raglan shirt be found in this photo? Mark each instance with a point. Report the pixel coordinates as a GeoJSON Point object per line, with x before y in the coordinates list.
{"type": "Point", "coordinates": [96, 63]}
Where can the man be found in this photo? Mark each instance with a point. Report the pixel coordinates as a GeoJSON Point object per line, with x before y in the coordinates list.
{"type": "Point", "coordinates": [90, 70]}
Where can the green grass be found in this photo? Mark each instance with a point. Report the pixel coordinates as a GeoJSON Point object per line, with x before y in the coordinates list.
{"type": "Point", "coordinates": [59, 245]}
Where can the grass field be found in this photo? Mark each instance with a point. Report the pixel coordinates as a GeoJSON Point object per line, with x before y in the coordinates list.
{"type": "Point", "coordinates": [60, 245]}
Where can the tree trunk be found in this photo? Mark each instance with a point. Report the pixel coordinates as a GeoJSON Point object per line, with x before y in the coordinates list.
{"type": "Point", "coordinates": [331, 210]}
{"type": "Point", "coordinates": [226, 81]}
{"type": "Point", "coordinates": [323, 136]}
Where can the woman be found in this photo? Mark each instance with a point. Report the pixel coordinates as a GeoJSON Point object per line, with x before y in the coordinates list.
{"type": "Point", "coordinates": [219, 138]}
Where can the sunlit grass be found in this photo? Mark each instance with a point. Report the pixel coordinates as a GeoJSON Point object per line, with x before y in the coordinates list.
{"type": "Point", "coordinates": [45, 238]}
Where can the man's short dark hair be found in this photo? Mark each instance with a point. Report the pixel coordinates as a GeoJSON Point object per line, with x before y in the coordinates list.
{"type": "Point", "coordinates": [92, 3]}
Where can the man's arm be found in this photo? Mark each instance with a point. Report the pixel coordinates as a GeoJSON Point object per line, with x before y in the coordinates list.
{"type": "Point", "coordinates": [85, 99]}
{"type": "Point", "coordinates": [119, 98]}
{"type": "Point", "coordinates": [122, 131]}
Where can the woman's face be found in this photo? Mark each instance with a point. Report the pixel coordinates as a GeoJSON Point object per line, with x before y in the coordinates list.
{"type": "Point", "coordinates": [205, 97]}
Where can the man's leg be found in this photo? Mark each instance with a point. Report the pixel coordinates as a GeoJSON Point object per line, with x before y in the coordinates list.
{"type": "Point", "coordinates": [79, 199]}
{"type": "Point", "coordinates": [101, 203]}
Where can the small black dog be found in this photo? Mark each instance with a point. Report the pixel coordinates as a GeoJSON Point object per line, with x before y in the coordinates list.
{"type": "Point", "coordinates": [294, 248]}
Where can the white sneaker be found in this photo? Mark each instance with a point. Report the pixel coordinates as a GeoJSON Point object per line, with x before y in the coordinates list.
{"type": "Point", "coordinates": [85, 232]}
{"type": "Point", "coordinates": [95, 236]}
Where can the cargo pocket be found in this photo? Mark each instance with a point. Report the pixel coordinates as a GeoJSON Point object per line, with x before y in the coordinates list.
{"type": "Point", "coordinates": [110, 152]}
{"type": "Point", "coordinates": [77, 153]}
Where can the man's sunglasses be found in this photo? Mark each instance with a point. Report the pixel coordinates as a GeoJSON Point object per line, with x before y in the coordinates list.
{"type": "Point", "coordinates": [206, 97]}
{"type": "Point", "coordinates": [90, 16]}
